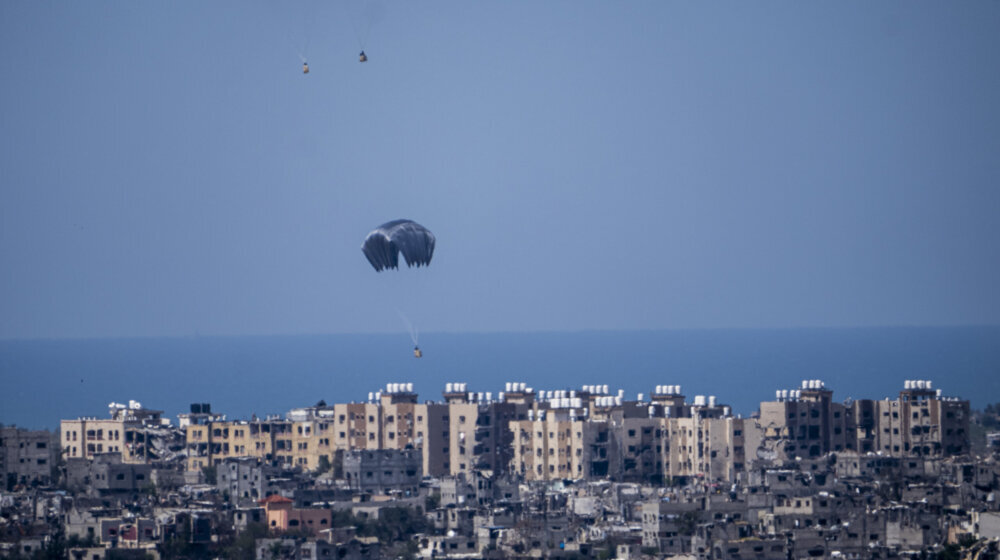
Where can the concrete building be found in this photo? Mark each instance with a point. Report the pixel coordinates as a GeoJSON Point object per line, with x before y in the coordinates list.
{"type": "Point", "coordinates": [281, 516]}
{"type": "Point", "coordinates": [921, 422]}
{"type": "Point", "coordinates": [129, 432]}
{"type": "Point", "coordinates": [381, 471]}
{"type": "Point", "coordinates": [26, 456]}
{"type": "Point", "coordinates": [807, 420]}
{"type": "Point", "coordinates": [245, 479]}
{"type": "Point", "coordinates": [556, 444]}
{"type": "Point", "coordinates": [106, 474]}
{"type": "Point", "coordinates": [806, 423]}
{"type": "Point", "coordinates": [211, 443]}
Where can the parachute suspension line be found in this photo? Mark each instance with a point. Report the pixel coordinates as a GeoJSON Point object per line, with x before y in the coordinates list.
{"type": "Point", "coordinates": [361, 26]}
{"type": "Point", "coordinates": [414, 335]}
{"type": "Point", "coordinates": [307, 24]}
{"type": "Point", "coordinates": [305, 49]}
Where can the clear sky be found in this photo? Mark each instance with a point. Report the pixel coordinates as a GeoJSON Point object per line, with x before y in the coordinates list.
{"type": "Point", "coordinates": [167, 169]}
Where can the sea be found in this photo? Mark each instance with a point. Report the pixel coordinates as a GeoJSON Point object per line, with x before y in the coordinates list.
{"type": "Point", "coordinates": [43, 381]}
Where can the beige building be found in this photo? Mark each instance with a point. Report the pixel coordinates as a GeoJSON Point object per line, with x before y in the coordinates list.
{"type": "Point", "coordinates": [806, 423]}
{"type": "Point", "coordinates": [921, 422]}
{"type": "Point", "coordinates": [553, 444]}
{"type": "Point", "coordinates": [210, 443]}
{"type": "Point", "coordinates": [706, 447]}
{"type": "Point", "coordinates": [127, 432]}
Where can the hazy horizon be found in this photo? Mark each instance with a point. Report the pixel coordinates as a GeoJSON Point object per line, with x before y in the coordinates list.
{"type": "Point", "coordinates": [488, 332]}
{"type": "Point", "coordinates": [243, 375]}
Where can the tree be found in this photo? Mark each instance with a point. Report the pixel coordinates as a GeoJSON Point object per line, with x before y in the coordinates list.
{"type": "Point", "coordinates": [324, 464]}
{"type": "Point", "coordinates": [210, 474]}
{"type": "Point", "coordinates": [243, 545]}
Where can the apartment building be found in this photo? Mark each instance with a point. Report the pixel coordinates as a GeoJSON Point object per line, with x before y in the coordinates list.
{"type": "Point", "coordinates": [920, 421]}
{"type": "Point", "coordinates": [26, 455]}
{"type": "Point", "coordinates": [554, 444]}
{"type": "Point", "coordinates": [215, 441]}
{"type": "Point", "coordinates": [807, 421]}
{"type": "Point", "coordinates": [383, 470]}
{"type": "Point", "coordinates": [246, 480]}
{"type": "Point", "coordinates": [129, 431]}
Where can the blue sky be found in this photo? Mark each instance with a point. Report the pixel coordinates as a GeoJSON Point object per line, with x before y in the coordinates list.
{"type": "Point", "coordinates": [166, 168]}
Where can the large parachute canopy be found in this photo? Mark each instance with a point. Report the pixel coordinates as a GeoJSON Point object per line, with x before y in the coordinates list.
{"type": "Point", "coordinates": [384, 244]}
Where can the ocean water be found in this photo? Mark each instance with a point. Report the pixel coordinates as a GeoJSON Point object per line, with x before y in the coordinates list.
{"type": "Point", "coordinates": [43, 381]}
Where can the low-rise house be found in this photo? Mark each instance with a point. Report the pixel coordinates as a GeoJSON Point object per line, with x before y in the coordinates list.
{"type": "Point", "coordinates": [281, 516]}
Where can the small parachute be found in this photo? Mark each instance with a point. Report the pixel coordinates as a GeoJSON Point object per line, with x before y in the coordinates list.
{"type": "Point", "coordinates": [384, 244]}
{"type": "Point", "coordinates": [363, 57]}
{"type": "Point", "coordinates": [305, 67]}
{"type": "Point", "coordinates": [417, 353]}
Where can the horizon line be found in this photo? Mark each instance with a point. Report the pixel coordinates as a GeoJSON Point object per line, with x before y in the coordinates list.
{"type": "Point", "coordinates": [496, 332]}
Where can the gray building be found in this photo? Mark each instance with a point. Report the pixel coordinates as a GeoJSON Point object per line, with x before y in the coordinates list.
{"type": "Point", "coordinates": [246, 480]}
{"type": "Point", "coordinates": [26, 456]}
{"type": "Point", "coordinates": [106, 474]}
{"type": "Point", "coordinates": [384, 470]}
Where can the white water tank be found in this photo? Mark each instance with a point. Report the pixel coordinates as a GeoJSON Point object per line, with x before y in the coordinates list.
{"type": "Point", "coordinates": [711, 400]}
{"type": "Point", "coordinates": [448, 387]}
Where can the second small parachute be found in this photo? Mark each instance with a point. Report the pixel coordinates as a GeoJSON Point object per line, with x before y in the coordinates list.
{"type": "Point", "coordinates": [384, 244]}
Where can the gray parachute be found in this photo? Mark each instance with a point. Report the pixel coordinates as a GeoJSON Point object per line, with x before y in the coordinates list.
{"type": "Point", "coordinates": [384, 244]}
